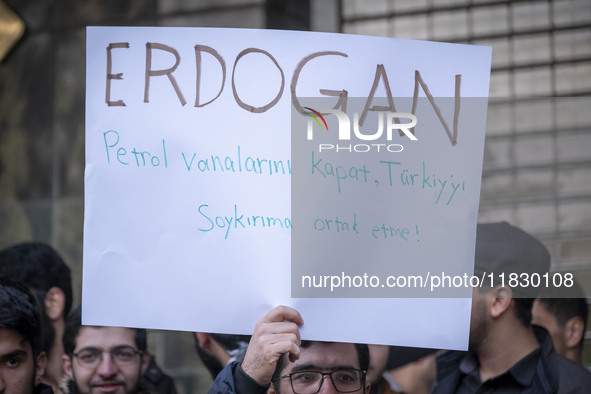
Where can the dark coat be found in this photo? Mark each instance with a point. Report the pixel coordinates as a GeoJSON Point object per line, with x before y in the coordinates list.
{"type": "Point", "coordinates": [233, 380]}
{"type": "Point", "coordinates": [546, 373]}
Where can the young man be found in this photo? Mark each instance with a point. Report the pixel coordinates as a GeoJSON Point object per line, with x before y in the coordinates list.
{"type": "Point", "coordinates": [276, 360]}
{"type": "Point", "coordinates": [22, 362]}
{"type": "Point", "coordinates": [103, 359]}
{"type": "Point", "coordinates": [506, 353]}
{"type": "Point", "coordinates": [564, 314]}
{"type": "Point", "coordinates": [40, 267]}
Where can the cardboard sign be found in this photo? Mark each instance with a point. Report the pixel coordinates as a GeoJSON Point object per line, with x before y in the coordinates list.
{"type": "Point", "coordinates": [188, 184]}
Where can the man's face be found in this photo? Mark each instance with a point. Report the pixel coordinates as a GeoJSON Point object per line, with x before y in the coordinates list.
{"type": "Point", "coordinates": [541, 317]}
{"type": "Point", "coordinates": [211, 362]}
{"type": "Point", "coordinates": [110, 374]}
{"type": "Point", "coordinates": [19, 370]}
{"type": "Point", "coordinates": [323, 357]}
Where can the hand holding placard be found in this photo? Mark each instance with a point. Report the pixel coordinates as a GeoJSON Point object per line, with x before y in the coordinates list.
{"type": "Point", "coordinates": [275, 334]}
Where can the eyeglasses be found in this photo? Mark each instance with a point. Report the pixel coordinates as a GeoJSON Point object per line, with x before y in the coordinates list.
{"type": "Point", "coordinates": [310, 382]}
{"type": "Point", "coordinates": [91, 357]}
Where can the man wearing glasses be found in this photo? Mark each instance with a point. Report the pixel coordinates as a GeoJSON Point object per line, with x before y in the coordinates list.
{"type": "Point", "coordinates": [276, 360]}
{"type": "Point", "coordinates": [103, 359]}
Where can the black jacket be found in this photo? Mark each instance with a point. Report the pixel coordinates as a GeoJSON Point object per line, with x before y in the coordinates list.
{"type": "Point", "coordinates": [233, 380]}
{"type": "Point", "coordinates": [43, 388]}
{"type": "Point", "coordinates": [542, 371]}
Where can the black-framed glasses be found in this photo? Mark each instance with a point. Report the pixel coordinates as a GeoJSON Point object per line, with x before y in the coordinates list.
{"type": "Point", "coordinates": [91, 357]}
{"type": "Point", "coordinates": [310, 382]}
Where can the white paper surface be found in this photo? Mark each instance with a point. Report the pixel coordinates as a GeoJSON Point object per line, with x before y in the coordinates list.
{"type": "Point", "coordinates": [175, 194]}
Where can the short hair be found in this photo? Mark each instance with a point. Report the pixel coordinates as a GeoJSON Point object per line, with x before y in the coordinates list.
{"type": "Point", "coordinates": [362, 355]}
{"type": "Point", "coordinates": [563, 309]}
{"type": "Point", "coordinates": [523, 308]}
{"type": "Point", "coordinates": [38, 266]}
{"type": "Point", "coordinates": [74, 323]}
{"type": "Point", "coordinates": [19, 312]}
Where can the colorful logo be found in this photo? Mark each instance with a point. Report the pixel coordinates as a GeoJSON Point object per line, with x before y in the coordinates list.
{"type": "Point", "coordinates": [315, 118]}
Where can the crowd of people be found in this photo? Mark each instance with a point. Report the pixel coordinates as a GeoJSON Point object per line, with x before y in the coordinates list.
{"type": "Point", "coordinates": [517, 344]}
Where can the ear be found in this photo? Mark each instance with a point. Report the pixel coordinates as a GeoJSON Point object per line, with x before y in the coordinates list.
{"type": "Point", "coordinates": [145, 361]}
{"type": "Point", "coordinates": [55, 302]}
{"type": "Point", "coordinates": [204, 340]}
{"type": "Point", "coordinates": [573, 332]}
{"type": "Point", "coordinates": [500, 301]}
{"type": "Point", "coordinates": [367, 388]}
{"type": "Point", "coordinates": [40, 364]}
{"type": "Point", "coordinates": [67, 366]}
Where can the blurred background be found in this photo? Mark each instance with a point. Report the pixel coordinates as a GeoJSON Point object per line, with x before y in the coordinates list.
{"type": "Point", "coordinates": [537, 163]}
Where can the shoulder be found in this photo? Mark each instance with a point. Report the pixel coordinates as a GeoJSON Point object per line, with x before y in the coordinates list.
{"type": "Point", "coordinates": [224, 382]}
{"type": "Point", "coordinates": [449, 362]}
{"type": "Point", "coordinates": [572, 378]}
{"type": "Point", "coordinates": [569, 376]}
{"type": "Point", "coordinates": [448, 371]}
{"type": "Point", "coordinates": [233, 380]}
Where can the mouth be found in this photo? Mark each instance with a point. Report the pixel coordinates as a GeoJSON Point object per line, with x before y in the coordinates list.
{"type": "Point", "coordinates": [107, 387]}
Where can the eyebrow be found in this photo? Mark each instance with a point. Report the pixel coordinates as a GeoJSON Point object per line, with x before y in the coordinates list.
{"type": "Point", "coordinates": [15, 353]}
{"type": "Point", "coordinates": [313, 367]}
{"type": "Point", "coordinates": [106, 350]}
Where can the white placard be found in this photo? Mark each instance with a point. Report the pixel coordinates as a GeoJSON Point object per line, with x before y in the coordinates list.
{"type": "Point", "coordinates": [188, 157]}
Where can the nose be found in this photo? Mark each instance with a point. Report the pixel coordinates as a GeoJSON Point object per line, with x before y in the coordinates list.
{"type": "Point", "coordinates": [327, 386]}
{"type": "Point", "coordinates": [2, 385]}
{"type": "Point", "coordinates": [106, 368]}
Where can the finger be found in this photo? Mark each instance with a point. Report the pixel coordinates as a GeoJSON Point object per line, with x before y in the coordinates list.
{"type": "Point", "coordinates": [279, 327]}
{"type": "Point", "coordinates": [294, 354]}
{"type": "Point", "coordinates": [279, 348]}
{"type": "Point", "coordinates": [274, 331]}
{"type": "Point", "coordinates": [282, 338]}
{"type": "Point", "coordinates": [282, 313]}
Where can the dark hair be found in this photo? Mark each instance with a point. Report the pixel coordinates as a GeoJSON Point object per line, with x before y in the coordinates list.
{"type": "Point", "coordinates": [563, 308]}
{"type": "Point", "coordinates": [523, 310]}
{"type": "Point", "coordinates": [74, 323]}
{"type": "Point", "coordinates": [362, 355]}
{"type": "Point", "coordinates": [19, 312]}
{"type": "Point", "coordinates": [38, 266]}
